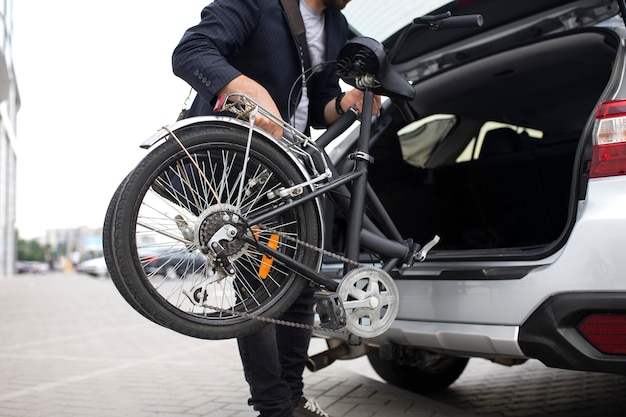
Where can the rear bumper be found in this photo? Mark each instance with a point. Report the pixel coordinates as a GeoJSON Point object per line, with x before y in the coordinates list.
{"type": "Point", "coordinates": [550, 334]}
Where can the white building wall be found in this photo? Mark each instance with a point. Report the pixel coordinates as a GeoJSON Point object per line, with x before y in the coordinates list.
{"type": "Point", "coordinates": [9, 106]}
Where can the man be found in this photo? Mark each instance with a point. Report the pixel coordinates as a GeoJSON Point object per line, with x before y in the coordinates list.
{"type": "Point", "coordinates": [246, 46]}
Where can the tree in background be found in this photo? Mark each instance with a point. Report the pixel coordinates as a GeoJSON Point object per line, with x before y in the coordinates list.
{"type": "Point", "coordinates": [32, 250]}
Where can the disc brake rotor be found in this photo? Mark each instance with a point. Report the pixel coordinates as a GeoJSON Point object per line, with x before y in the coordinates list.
{"type": "Point", "coordinates": [370, 299]}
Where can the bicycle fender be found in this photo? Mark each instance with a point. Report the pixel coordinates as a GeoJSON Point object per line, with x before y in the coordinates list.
{"type": "Point", "coordinates": [222, 121]}
{"type": "Point", "coordinates": [198, 120]}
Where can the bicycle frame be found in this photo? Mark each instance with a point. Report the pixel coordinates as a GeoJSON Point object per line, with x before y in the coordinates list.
{"type": "Point", "coordinates": [361, 231]}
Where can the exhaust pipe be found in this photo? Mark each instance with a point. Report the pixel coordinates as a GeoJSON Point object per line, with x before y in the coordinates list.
{"type": "Point", "coordinates": [337, 349]}
{"type": "Point", "coordinates": [323, 359]}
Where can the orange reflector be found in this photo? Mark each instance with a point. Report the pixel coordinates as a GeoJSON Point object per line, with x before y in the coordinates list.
{"type": "Point", "coordinates": [266, 261]}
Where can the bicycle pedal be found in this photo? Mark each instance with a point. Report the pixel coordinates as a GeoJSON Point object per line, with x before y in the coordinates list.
{"type": "Point", "coordinates": [329, 307]}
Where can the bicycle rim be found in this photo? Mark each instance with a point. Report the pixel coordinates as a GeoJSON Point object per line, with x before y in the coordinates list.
{"type": "Point", "coordinates": [174, 204]}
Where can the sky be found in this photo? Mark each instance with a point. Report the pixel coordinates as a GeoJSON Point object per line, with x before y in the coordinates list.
{"type": "Point", "coordinates": [95, 81]}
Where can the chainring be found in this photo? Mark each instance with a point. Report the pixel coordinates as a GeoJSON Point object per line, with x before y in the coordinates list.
{"type": "Point", "coordinates": [370, 298]}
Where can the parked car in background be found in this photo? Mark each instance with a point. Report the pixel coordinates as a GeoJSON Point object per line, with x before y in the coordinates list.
{"type": "Point", "coordinates": [31, 267]}
{"type": "Point", "coordinates": [514, 153]}
{"type": "Point", "coordinates": [171, 261]}
{"type": "Point", "coordinates": [95, 267]}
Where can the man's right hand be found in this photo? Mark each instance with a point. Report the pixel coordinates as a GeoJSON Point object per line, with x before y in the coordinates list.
{"type": "Point", "coordinates": [258, 93]}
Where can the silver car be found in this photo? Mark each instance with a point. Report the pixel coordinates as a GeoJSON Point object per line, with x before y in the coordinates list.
{"type": "Point", "coordinates": [514, 153]}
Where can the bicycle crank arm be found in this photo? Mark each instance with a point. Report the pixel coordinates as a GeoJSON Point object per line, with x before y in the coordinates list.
{"type": "Point", "coordinates": [370, 302]}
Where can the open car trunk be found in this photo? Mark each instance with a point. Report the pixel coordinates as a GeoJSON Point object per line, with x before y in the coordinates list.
{"type": "Point", "coordinates": [495, 156]}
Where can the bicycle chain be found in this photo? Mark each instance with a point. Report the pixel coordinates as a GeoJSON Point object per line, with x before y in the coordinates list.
{"type": "Point", "coordinates": [275, 321]}
{"type": "Point", "coordinates": [313, 247]}
{"type": "Point", "coordinates": [285, 322]}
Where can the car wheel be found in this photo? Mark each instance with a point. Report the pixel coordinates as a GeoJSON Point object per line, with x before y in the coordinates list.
{"type": "Point", "coordinates": [422, 373]}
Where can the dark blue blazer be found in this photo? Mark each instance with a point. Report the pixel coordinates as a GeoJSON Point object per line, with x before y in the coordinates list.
{"type": "Point", "coordinates": [252, 37]}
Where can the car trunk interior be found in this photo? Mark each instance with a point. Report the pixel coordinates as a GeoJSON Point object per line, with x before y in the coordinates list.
{"type": "Point", "coordinates": [516, 193]}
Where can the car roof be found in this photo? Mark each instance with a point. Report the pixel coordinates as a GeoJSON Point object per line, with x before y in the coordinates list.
{"type": "Point", "coordinates": [367, 18]}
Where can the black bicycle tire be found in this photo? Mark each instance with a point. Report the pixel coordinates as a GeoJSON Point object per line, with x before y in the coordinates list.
{"type": "Point", "coordinates": [151, 304]}
{"type": "Point", "coordinates": [108, 250]}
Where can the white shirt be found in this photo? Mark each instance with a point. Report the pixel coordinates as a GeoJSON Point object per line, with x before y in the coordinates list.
{"type": "Point", "coordinates": [316, 40]}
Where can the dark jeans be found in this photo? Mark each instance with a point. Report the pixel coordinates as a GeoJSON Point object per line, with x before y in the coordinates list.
{"type": "Point", "coordinates": [274, 359]}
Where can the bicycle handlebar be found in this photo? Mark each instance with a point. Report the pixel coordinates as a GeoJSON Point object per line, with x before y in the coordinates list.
{"type": "Point", "coordinates": [447, 21]}
{"type": "Point", "coordinates": [437, 22]}
{"type": "Point", "coordinates": [467, 21]}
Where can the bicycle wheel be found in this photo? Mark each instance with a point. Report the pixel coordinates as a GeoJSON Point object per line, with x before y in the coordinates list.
{"type": "Point", "coordinates": [186, 196]}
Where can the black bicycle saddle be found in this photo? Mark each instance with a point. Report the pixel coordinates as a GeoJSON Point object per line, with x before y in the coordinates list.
{"type": "Point", "coordinates": [363, 63]}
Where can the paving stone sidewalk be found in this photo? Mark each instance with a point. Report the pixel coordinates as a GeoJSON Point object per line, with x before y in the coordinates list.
{"type": "Point", "coordinates": [71, 346]}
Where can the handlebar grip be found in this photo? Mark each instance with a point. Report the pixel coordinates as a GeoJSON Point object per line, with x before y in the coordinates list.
{"type": "Point", "coordinates": [466, 21]}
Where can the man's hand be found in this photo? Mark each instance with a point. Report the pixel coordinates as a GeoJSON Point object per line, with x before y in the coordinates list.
{"type": "Point", "coordinates": [258, 93]}
{"type": "Point", "coordinates": [352, 98]}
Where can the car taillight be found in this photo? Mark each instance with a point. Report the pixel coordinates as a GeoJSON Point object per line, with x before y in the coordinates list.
{"type": "Point", "coordinates": [606, 332]}
{"type": "Point", "coordinates": [609, 150]}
